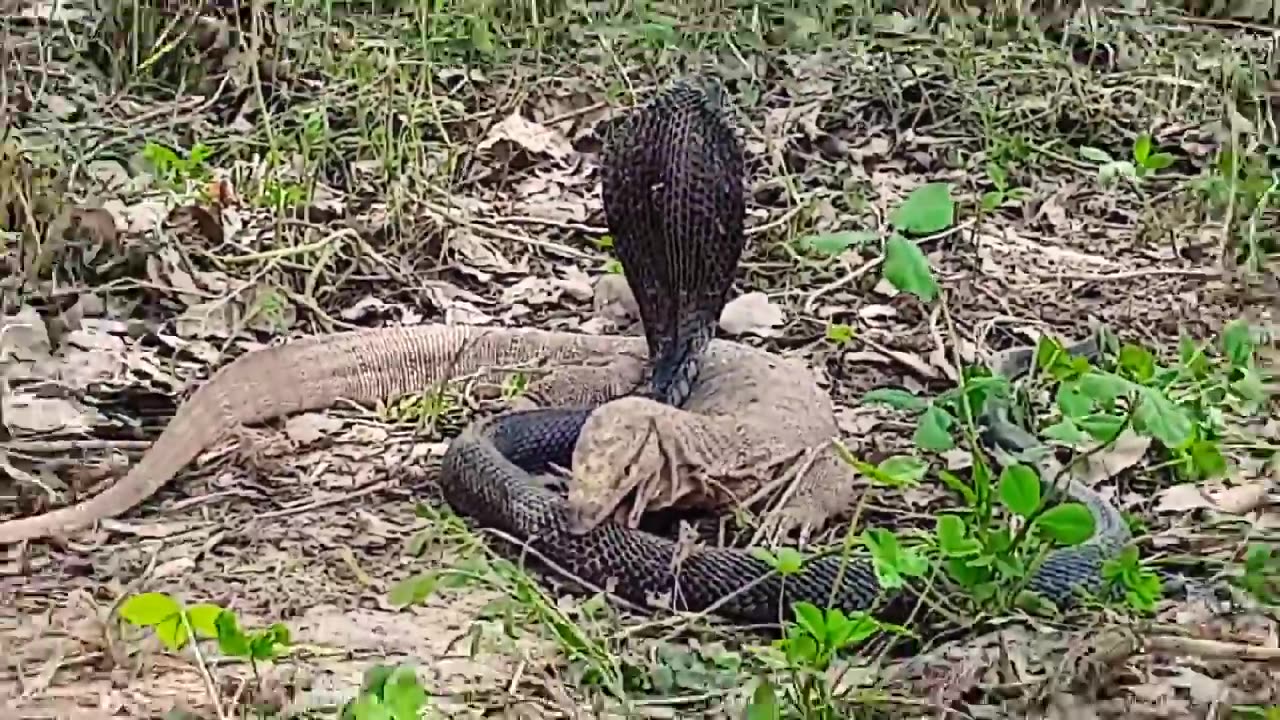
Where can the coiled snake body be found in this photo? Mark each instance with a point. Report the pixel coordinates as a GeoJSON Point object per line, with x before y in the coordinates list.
{"type": "Point", "coordinates": [673, 192]}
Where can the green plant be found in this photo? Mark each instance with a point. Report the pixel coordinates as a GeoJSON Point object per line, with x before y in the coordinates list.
{"type": "Point", "coordinates": [387, 693]}
{"type": "Point", "coordinates": [804, 655]}
{"type": "Point", "coordinates": [176, 170]}
{"type": "Point", "coordinates": [1002, 194]}
{"type": "Point", "coordinates": [175, 625]}
{"type": "Point", "coordinates": [1142, 163]}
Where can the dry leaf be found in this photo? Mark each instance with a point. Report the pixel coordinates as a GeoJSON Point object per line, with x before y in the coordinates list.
{"type": "Point", "coordinates": [529, 135]}
{"type": "Point", "coordinates": [1128, 450]}
{"type": "Point", "coordinates": [532, 291]}
{"type": "Point", "coordinates": [1181, 498]}
{"type": "Point", "coordinates": [25, 413]}
{"type": "Point", "coordinates": [1242, 499]}
{"type": "Point", "coordinates": [310, 427]}
{"type": "Point", "coordinates": [751, 313]}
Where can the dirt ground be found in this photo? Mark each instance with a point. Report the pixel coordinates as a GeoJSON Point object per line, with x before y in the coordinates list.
{"type": "Point", "coordinates": [359, 180]}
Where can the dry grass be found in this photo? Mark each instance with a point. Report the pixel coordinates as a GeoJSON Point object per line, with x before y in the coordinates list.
{"type": "Point", "coordinates": [407, 165]}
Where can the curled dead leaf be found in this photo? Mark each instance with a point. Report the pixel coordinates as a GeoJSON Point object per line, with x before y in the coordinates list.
{"type": "Point", "coordinates": [196, 220]}
{"type": "Point", "coordinates": [531, 136]}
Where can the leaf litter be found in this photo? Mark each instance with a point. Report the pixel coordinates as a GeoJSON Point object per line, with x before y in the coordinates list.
{"type": "Point", "coordinates": [285, 523]}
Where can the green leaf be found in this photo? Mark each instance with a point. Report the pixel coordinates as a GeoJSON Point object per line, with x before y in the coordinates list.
{"type": "Point", "coordinates": [1069, 523]}
{"type": "Point", "coordinates": [764, 703]}
{"type": "Point", "coordinates": [840, 333]}
{"type": "Point", "coordinates": [1065, 431]}
{"type": "Point", "coordinates": [413, 590]}
{"type": "Point", "coordinates": [809, 617]}
{"type": "Point", "coordinates": [1094, 154]}
{"type": "Point", "coordinates": [907, 269]}
{"type": "Point", "coordinates": [992, 199]}
{"type": "Point", "coordinates": [896, 398]}
{"type": "Point", "coordinates": [1166, 422]}
{"type": "Point", "coordinates": [891, 560]}
{"type": "Point", "coordinates": [1104, 387]}
{"type": "Point", "coordinates": [1020, 490]}
{"type": "Point", "coordinates": [1072, 401]}
{"type": "Point", "coordinates": [149, 609]}
{"type": "Point", "coordinates": [404, 695]}
{"type": "Point", "coordinates": [933, 433]}
{"type": "Point", "coordinates": [790, 560]}
{"type": "Point", "coordinates": [903, 470]}
{"type": "Point", "coordinates": [837, 242]}
{"type": "Point", "coordinates": [1101, 426]}
{"type": "Point", "coordinates": [1237, 343]}
{"type": "Point", "coordinates": [231, 640]}
{"type": "Point", "coordinates": [953, 537]}
{"type": "Point", "coordinates": [1208, 459]}
{"type": "Point", "coordinates": [955, 483]}
{"type": "Point", "coordinates": [1159, 161]}
{"type": "Point", "coordinates": [928, 209]}
{"type": "Point", "coordinates": [1142, 148]}
{"type": "Point", "coordinates": [1138, 361]}
{"type": "Point", "coordinates": [172, 632]}
{"type": "Point", "coordinates": [204, 618]}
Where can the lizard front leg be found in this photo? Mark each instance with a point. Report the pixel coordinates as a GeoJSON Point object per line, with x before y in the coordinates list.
{"type": "Point", "coordinates": [665, 457]}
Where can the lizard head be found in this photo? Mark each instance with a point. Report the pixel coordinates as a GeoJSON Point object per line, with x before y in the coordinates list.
{"type": "Point", "coordinates": [617, 452]}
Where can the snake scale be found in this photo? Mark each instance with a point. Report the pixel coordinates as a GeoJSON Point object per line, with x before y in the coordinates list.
{"type": "Point", "coordinates": [673, 192]}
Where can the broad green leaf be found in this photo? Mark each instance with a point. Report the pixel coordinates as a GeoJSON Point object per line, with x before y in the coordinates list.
{"type": "Point", "coordinates": [966, 572]}
{"type": "Point", "coordinates": [991, 200]}
{"type": "Point", "coordinates": [853, 631]}
{"type": "Point", "coordinates": [1237, 343]}
{"type": "Point", "coordinates": [933, 432]}
{"type": "Point", "coordinates": [1020, 490]}
{"type": "Point", "coordinates": [764, 703]}
{"type": "Point", "coordinates": [1101, 426]}
{"type": "Point", "coordinates": [1138, 361]}
{"type": "Point", "coordinates": [413, 590]}
{"type": "Point", "coordinates": [1073, 402]}
{"type": "Point", "coordinates": [790, 560]}
{"type": "Point", "coordinates": [1159, 161]}
{"type": "Point", "coordinates": [1250, 387]}
{"type": "Point", "coordinates": [1166, 422]}
{"type": "Point", "coordinates": [928, 209]}
{"type": "Point", "coordinates": [837, 242]}
{"type": "Point", "coordinates": [370, 707]}
{"type": "Point", "coordinates": [1094, 154]}
{"type": "Point", "coordinates": [1142, 148]}
{"type": "Point", "coordinates": [903, 470]}
{"type": "Point", "coordinates": [1049, 352]}
{"type": "Point", "coordinates": [148, 609]}
{"type": "Point", "coordinates": [231, 640]}
{"type": "Point", "coordinates": [1065, 431]}
{"type": "Point", "coordinates": [896, 398]}
{"type": "Point", "coordinates": [1104, 387]}
{"type": "Point", "coordinates": [1208, 459]}
{"type": "Point", "coordinates": [404, 695]}
{"type": "Point", "coordinates": [907, 269]}
{"type": "Point", "coordinates": [891, 556]}
{"type": "Point", "coordinates": [953, 537]}
{"type": "Point", "coordinates": [1069, 523]}
{"type": "Point", "coordinates": [172, 632]}
{"type": "Point", "coordinates": [204, 618]}
{"type": "Point", "coordinates": [809, 617]}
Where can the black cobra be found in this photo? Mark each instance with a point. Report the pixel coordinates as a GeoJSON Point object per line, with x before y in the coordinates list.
{"type": "Point", "coordinates": [673, 193]}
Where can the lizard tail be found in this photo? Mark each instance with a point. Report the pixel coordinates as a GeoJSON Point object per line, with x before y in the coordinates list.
{"type": "Point", "coordinates": [311, 373]}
